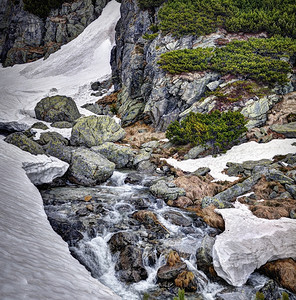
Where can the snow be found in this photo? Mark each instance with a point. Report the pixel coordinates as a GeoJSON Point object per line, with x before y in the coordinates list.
{"type": "Point", "coordinates": [249, 242]}
{"type": "Point", "coordinates": [35, 262]}
{"type": "Point", "coordinates": [69, 71]}
{"type": "Point", "coordinates": [237, 154]}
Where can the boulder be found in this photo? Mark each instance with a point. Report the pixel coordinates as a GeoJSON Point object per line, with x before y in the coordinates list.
{"type": "Point", "coordinates": [249, 242]}
{"type": "Point", "coordinates": [95, 130]}
{"type": "Point", "coordinates": [89, 168]}
{"type": "Point", "coordinates": [195, 151]}
{"type": "Point", "coordinates": [142, 156]}
{"type": "Point", "coordinates": [62, 124]}
{"type": "Point", "coordinates": [122, 156]}
{"type": "Point", "coordinates": [130, 265]}
{"type": "Point", "coordinates": [39, 125]}
{"type": "Point", "coordinates": [120, 240]}
{"type": "Point", "coordinates": [288, 130]}
{"type": "Point", "coordinates": [291, 189]}
{"type": "Point", "coordinates": [59, 151]}
{"type": "Point", "coordinates": [202, 171]}
{"type": "Point", "coordinates": [57, 108]}
{"type": "Point", "coordinates": [23, 142]}
{"type": "Point", "coordinates": [53, 138]}
{"type": "Point", "coordinates": [166, 190]}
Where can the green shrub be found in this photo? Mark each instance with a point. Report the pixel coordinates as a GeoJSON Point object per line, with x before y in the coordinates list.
{"type": "Point", "coordinates": [200, 17]}
{"type": "Point", "coordinates": [144, 4]}
{"type": "Point", "coordinates": [258, 59]}
{"type": "Point", "coordinates": [181, 295]}
{"type": "Point", "coordinates": [259, 296]}
{"type": "Point", "coordinates": [151, 36]}
{"type": "Point", "coordinates": [219, 130]}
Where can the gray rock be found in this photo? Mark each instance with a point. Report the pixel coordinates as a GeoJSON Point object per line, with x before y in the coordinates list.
{"type": "Point", "coordinates": [23, 142]}
{"type": "Point", "coordinates": [95, 130]}
{"type": "Point", "coordinates": [291, 189]}
{"type": "Point", "coordinates": [39, 125]}
{"type": "Point", "coordinates": [234, 169]}
{"type": "Point", "coordinates": [276, 175]}
{"type": "Point", "coordinates": [57, 108]}
{"type": "Point", "coordinates": [204, 256]}
{"type": "Point", "coordinates": [53, 138]}
{"type": "Point", "coordinates": [89, 168]}
{"type": "Point", "coordinates": [288, 130]}
{"type": "Point", "coordinates": [146, 166]}
{"type": "Point", "coordinates": [120, 240]}
{"type": "Point", "coordinates": [59, 151]}
{"type": "Point", "coordinates": [62, 124]}
{"type": "Point", "coordinates": [202, 171]}
{"type": "Point", "coordinates": [166, 190]}
{"type": "Point", "coordinates": [194, 152]}
{"type": "Point", "coordinates": [122, 156]}
{"type": "Point", "coordinates": [150, 145]}
{"type": "Point", "coordinates": [143, 155]}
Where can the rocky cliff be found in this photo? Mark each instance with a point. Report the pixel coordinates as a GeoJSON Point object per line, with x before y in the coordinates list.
{"type": "Point", "coordinates": [25, 37]}
{"type": "Point", "coordinates": [147, 92]}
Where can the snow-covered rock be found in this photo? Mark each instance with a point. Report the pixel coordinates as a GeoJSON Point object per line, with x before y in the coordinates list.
{"type": "Point", "coordinates": [35, 261]}
{"type": "Point", "coordinates": [43, 169]}
{"type": "Point", "coordinates": [249, 242]}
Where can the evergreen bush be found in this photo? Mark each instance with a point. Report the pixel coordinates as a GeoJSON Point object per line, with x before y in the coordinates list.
{"type": "Point", "coordinates": [219, 130]}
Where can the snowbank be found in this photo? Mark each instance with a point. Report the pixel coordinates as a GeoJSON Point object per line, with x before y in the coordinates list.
{"type": "Point", "coordinates": [68, 71]}
{"type": "Point", "coordinates": [237, 154]}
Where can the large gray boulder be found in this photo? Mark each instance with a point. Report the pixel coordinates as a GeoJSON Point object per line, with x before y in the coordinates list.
{"type": "Point", "coordinates": [57, 108]}
{"type": "Point", "coordinates": [249, 242]}
{"type": "Point", "coordinates": [95, 130]}
{"type": "Point", "coordinates": [23, 142]}
{"type": "Point", "coordinates": [89, 168]}
{"type": "Point", "coordinates": [122, 156]}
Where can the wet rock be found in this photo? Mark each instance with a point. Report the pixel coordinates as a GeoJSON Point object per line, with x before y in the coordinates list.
{"type": "Point", "coordinates": [181, 202]}
{"type": "Point", "coordinates": [130, 265]}
{"type": "Point", "coordinates": [23, 142]}
{"type": "Point", "coordinates": [95, 86]}
{"type": "Point", "coordinates": [186, 281]}
{"type": "Point", "coordinates": [177, 218]}
{"type": "Point", "coordinates": [121, 240]}
{"type": "Point", "coordinates": [283, 271]}
{"type": "Point", "coordinates": [204, 256]}
{"type": "Point", "coordinates": [150, 220]}
{"type": "Point", "coordinates": [89, 168]}
{"type": "Point", "coordinates": [275, 240]}
{"type": "Point", "coordinates": [95, 130]}
{"type": "Point", "coordinates": [53, 138]}
{"type": "Point", "coordinates": [122, 156]}
{"type": "Point", "coordinates": [57, 108]}
{"type": "Point", "coordinates": [62, 124]}
{"type": "Point", "coordinates": [288, 130]}
{"type": "Point", "coordinates": [270, 290]}
{"type": "Point", "coordinates": [133, 178]}
{"type": "Point", "coordinates": [166, 190]}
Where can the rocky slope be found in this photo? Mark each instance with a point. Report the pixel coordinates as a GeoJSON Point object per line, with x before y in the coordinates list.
{"type": "Point", "coordinates": [25, 37]}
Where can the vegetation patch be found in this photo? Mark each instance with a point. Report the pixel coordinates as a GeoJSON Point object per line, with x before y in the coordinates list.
{"type": "Point", "coordinates": [219, 130]}
{"type": "Point", "coordinates": [263, 60]}
{"type": "Point", "coordinates": [201, 17]}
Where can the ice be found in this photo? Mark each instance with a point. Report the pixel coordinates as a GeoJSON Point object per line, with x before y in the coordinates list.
{"type": "Point", "coordinates": [237, 154]}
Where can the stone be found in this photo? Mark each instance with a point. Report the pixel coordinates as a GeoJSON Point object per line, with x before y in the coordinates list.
{"type": "Point", "coordinates": [283, 271]}
{"type": "Point", "coordinates": [142, 156]}
{"type": "Point", "coordinates": [270, 290]}
{"type": "Point", "coordinates": [288, 130]}
{"type": "Point", "coordinates": [202, 171]}
{"type": "Point", "coordinates": [208, 200]}
{"type": "Point", "coordinates": [54, 138]}
{"type": "Point", "coordinates": [249, 242]}
{"type": "Point", "coordinates": [120, 240]}
{"type": "Point", "coordinates": [162, 190]}
{"type": "Point", "coordinates": [23, 142]}
{"type": "Point", "coordinates": [95, 130]}
{"type": "Point", "coordinates": [146, 166]}
{"type": "Point", "coordinates": [170, 273]}
{"type": "Point", "coordinates": [177, 218]}
{"type": "Point", "coordinates": [122, 156]}
{"type": "Point", "coordinates": [291, 189]}
{"type": "Point", "coordinates": [62, 124]}
{"type": "Point", "coordinates": [89, 168]}
{"type": "Point", "coordinates": [39, 125]}
{"type": "Point", "coordinates": [276, 175]}
{"type": "Point", "coordinates": [59, 151]}
{"type": "Point", "coordinates": [130, 265]}
{"type": "Point", "coordinates": [194, 152]}
{"type": "Point", "coordinates": [57, 108]}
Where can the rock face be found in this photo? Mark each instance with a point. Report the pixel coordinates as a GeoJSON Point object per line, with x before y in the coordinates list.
{"type": "Point", "coordinates": [249, 242]}
{"type": "Point", "coordinates": [57, 108]}
{"type": "Point", "coordinates": [95, 130]}
{"type": "Point", "coordinates": [25, 37]}
{"type": "Point", "coordinates": [89, 168]}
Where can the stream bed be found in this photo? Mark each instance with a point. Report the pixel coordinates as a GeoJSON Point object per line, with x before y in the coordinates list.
{"type": "Point", "coordinates": [123, 235]}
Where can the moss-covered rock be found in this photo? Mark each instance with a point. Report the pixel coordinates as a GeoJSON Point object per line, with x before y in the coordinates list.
{"type": "Point", "coordinates": [23, 142]}
{"type": "Point", "coordinates": [89, 168]}
{"type": "Point", "coordinates": [57, 108]}
{"type": "Point", "coordinates": [95, 130]}
{"type": "Point", "coordinates": [62, 124]}
{"type": "Point", "coordinates": [122, 156]}
{"type": "Point", "coordinates": [52, 137]}
{"type": "Point", "coordinates": [39, 125]}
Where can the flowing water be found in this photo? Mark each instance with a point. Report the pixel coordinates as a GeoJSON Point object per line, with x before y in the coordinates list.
{"type": "Point", "coordinates": [87, 217]}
